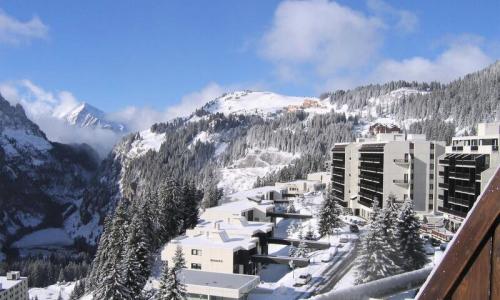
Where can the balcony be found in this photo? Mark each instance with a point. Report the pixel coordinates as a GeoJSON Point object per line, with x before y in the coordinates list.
{"type": "Point", "coordinates": [458, 201]}
{"type": "Point", "coordinates": [452, 212]}
{"type": "Point", "coordinates": [444, 161]}
{"type": "Point", "coordinates": [370, 178]}
{"type": "Point", "coordinates": [441, 173]}
{"type": "Point", "coordinates": [402, 162]}
{"type": "Point", "coordinates": [459, 176]}
{"type": "Point", "coordinates": [401, 182]}
{"type": "Point", "coordinates": [444, 186]}
{"type": "Point", "coordinates": [371, 169]}
{"type": "Point", "coordinates": [371, 187]}
{"type": "Point", "coordinates": [465, 189]}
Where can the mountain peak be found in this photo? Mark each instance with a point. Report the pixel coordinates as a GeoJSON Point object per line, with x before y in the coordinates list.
{"type": "Point", "coordinates": [86, 115]}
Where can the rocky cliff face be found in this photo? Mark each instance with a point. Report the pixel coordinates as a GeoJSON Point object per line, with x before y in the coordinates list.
{"type": "Point", "coordinates": [41, 182]}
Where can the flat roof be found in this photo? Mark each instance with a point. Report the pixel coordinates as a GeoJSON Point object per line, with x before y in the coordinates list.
{"type": "Point", "coordinates": [240, 206]}
{"type": "Point", "coordinates": [201, 240]}
{"type": "Point", "coordinates": [7, 284]}
{"type": "Point", "coordinates": [235, 228]}
{"type": "Point", "coordinates": [217, 280]}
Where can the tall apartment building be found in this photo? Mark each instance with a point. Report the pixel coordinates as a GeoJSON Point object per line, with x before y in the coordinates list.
{"type": "Point", "coordinates": [464, 171]}
{"type": "Point", "coordinates": [13, 286]}
{"type": "Point", "coordinates": [389, 164]}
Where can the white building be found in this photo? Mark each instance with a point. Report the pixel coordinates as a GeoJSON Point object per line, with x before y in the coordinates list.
{"type": "Point", "coordinates": [226, 238]}
{"type": "Point", "coordinates": [300, 187]}
{"type": "Point", "coordinates": [464, 171]}
{"type": "Point", "coordinates": [252, 210]}
{"type": "Point", "coordinates": [389, 164]}
{"type": "Point", "coordinates": [217, 286]}
{"type": "Point", "coordinates": [324, 177]}
{"type": "Point", "coordinates": [13, 286]}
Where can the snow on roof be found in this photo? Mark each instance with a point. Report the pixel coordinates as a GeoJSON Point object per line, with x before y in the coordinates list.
{"type": "Point", "coordinates": [215, 239]}
{"type": "Point", "coordinates": [238, 226]}
{"type": "Point", "coordinates": [7, 284]}
{"type": "Point", "coordinates": [260, 191]}
{"type": "Point", "coordinates": [237, 207]}
{"type": "Point", "coordinates": [217, 280]}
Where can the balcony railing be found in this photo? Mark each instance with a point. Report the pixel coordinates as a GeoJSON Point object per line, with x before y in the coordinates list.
{"type": "Point", "coordinates": [402, 161]}
{"type": "Point", "coordinates": [370, 178]}
{"type": "Point", "coordinates": [452, 212]}
{"type": "Point", "coordinates": [465, 189]}
{"type": "Point", "coordinates": [443, 185]}
{"type": "Point", "coordinates": [370, 169]}
{"type": "Point", "coordinates": [401, 181]}
{"type": "Point", "coordinates": [458, 201]}
{"type": "Point", "coordinates": [371, 187]}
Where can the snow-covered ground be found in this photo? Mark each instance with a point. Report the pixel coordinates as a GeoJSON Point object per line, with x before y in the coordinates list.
{"type": "Point", "coordinates": [243, 173]}
{"type": "Point", "coordinates": [146, 141]}
{"type": "Point", "coordinates": [53, 237]}
{"type": "Point", "coordinates": [279, 280]}
{"type": "Point", "coordinates": [52, 292]}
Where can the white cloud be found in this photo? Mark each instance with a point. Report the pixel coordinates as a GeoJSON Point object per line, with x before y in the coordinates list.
{"type": "Point", "coordinates": [457, 60]}
{"type": "Point", "coordinates": [404, 20]}
{"type": "Point", "coordinates": [45, 109]}
{"type": "Point", "coordinates": [321, 34]}
{"type": "Point", "coordinates": [13, 31]}
{"type": "Point", "coordinates": [196, 99]}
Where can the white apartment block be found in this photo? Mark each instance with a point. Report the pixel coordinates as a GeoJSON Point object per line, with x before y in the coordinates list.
{"type": "Point", "coordinates": [225, 238]}
{"type": "Point", "coordinates": [13, 286]}
{"type": "Point", "coordinates": [324, 177]}
{"type": "Point", "coordinates": [389, 164]}
{"type": "Point", "coordinates": [464, 171]}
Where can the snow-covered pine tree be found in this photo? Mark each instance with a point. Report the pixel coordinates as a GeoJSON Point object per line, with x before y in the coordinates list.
{"type": "Point", "coordinates": [78, 290]}
{"type": "Point", "coordinates": [302, 250]}
{"type": "Point", "coordinates": [171, 288]}
{"type": "Point", "coordinates": [410, 244]}
{"type": "Point", "coordinates": [291, 208]}
{"type": "Point", "coordinates": [389, 215]}
{"type": "Point", "coordinates": [100, 257]}
{"type": "Point", "coordinates": [136, 264]}
{"type": "Point", "coordinates": [111, 283]}
{"type": "Point", "coordinates": [310, 235]}
{"type": "Point", "coordinates": [179, 260]}
{"type": "Point", "coordinates": [329, 216]}
{"type": "Point", "coordinates": [374, 261]}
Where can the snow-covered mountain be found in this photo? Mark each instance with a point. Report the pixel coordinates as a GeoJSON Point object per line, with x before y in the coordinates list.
{"type": "Point", "coordinates": [88, 116]}
{"type": "Point", "coordinates": [41, 182]}
{"type": "Point", "coordinates": [265, 104]}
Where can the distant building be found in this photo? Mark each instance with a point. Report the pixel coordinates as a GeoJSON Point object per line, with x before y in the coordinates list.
{"type": "Point", "coordinates": [464, 171]}
{"type": "Point", "coordinates": [381, 128]}
{"type": "Point", "coordinates": [323, 177]}
{"type": "Point", "coordinates": [389, 164]}
{"type": "Point", "coordinates": [13, 286]}
{"type": "Point", "coordinates": [300, 187]}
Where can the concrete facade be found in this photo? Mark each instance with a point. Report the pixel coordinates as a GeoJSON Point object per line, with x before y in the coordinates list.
{"type": "Point", "coordinates": [299, 187]}
{"type": "Point", "coordinates": [13, 287]}
{"type": "Point", "coordinates": [465, 170]}
{"type": "Point", "coordinates": [388, 165]}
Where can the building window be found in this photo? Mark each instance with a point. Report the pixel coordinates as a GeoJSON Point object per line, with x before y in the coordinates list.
{"type": "Point", "coordinates": [431, 166]}
{"type": "Point", "coordinates": [196, 252]}
{"type": "Point", "coordinates": [412, 146]}
{"type": "Point", "coordinates": [431, 176]}
{"type": "Point", "coordinates": [431, 197]}
{"type": "Point", "coordinates": [196, 266]}
{"type": "Point", "coordinates": [432, 155]}
{"type": "Point", "coordinates": [431, 186]}
{"type": "Point", "coordinates": [432, 145]}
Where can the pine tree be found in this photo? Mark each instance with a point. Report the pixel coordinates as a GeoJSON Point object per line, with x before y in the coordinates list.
{"type": "Point", "coordinates": [374, 262]}
{"type": "Point", "coordinates": [389, 215]}
{"type": "Point", "coordinates": [179, 261]}
{"type": "Point", "coordinates": [78, 290]}
{"type": "Point", "coordinates": [329, 215]}
{"type": "Point", "coordinates": [410, 244]}
{"type": "Point", "coordinates": [136, 264]}
{"type": "Point", "coordinates": [302, 250]}
{"type": "Point", "coordinates": [111, 283]}
{"type": "Point", "coordinates": [170, 286]}
{"type": "Point", "coordinates": [310, 235]}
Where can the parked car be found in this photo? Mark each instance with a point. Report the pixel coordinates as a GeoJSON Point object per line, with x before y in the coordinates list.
{"type": "Point", "coordinates": [354, 228]}
{"type": "Point", "coordinates": [429, 250]}
{"type": "Point", "coordinates": [303, 279]}
{"type": "Point", "coordinates": [443, 246]}
{"type": "Point", "coordinates": [435, 242]}
{"type": "Point", "coordinates": [344, 240]}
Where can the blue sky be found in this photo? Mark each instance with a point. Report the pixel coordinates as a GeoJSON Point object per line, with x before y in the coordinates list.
{"type": "Point", "coordinates": [170, 56]}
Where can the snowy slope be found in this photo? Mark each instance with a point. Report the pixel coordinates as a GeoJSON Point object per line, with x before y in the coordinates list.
{"type": "Point", "coordinates": [88, 116]}
{"type": "Point", "coordinates": [52, 292]}
{"type": "Point", "coordinates": [263, 104]}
